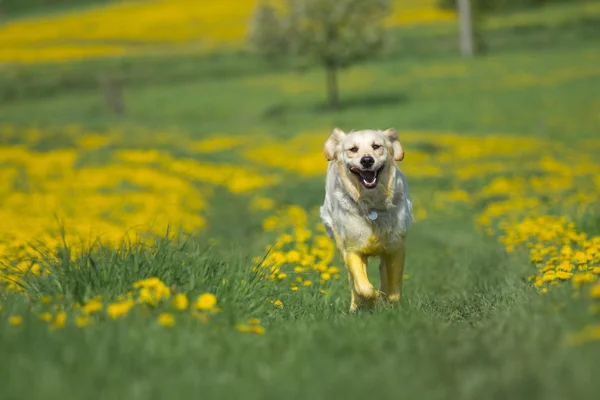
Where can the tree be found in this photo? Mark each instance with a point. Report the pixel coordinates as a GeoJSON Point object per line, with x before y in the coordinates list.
{"type": "Point", "coordinates": [465, 21]}
{"type": "Point", "coordinates": [332, 33]}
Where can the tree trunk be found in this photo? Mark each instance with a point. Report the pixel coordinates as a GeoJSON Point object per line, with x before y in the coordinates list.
{"type": "Point", "coordinates": [332, 87]}
{"type": "Point", "coordinates": [465, 20]}
{"type": "Point", "coordinates": [113, 94]}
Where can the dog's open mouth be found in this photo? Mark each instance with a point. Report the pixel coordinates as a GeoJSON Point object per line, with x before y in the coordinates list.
{"type": "Point", "coordinates": [367, 178]}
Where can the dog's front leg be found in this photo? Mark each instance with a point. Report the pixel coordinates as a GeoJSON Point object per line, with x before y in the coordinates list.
{"type": "Point", "coordinates": [391, 270]}
{"type": "Point", "coordinates": [363, 292]}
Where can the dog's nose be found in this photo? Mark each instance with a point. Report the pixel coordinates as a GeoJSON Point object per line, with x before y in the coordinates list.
{"type": "Point", "coordinates": [367, 161]}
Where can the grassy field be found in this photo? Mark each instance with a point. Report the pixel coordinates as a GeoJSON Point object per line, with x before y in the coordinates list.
{"type": "Point", "coordinates": [176, 250]}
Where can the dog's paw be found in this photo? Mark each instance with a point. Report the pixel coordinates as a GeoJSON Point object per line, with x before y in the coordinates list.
{"type": "Point", "coordinates": [366, 292]}
{"type": "Point", "coordinates": [393, 298]}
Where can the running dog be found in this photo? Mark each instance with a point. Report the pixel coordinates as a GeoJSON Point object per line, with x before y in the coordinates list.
{"type": "Point", "coordinates": [367, 210]}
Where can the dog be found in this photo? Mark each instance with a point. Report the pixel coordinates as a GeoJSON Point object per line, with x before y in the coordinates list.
{"type": "Point", "coordinates": [367, 210]}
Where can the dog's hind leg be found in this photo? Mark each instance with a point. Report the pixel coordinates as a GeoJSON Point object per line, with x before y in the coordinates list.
{"type": "Point", "coordinates": [364, 294]}
{"type": "Point", "coordinates": [391, 270]}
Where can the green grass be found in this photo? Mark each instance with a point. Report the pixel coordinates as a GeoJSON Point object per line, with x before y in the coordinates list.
{"type": "Point", "coordinates": [470, 326]}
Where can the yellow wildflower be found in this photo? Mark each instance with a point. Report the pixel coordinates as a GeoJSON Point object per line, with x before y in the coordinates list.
{"type": "Point", "coordinates": [46, 316]}
{"type": "Point", "coordinates": [120, 309]}
{"type": "Point", "coordinates": [82, 320]}
{"type": "Point", "coordinates": [181, 302]}
{"type": "Point", "coordinates": [206, 301]}
{"type": "Point", "coordinates": [92, 306]}
{"type": "Point", "coordinates": [595, 291]}
{"type": "Point", "coordinates": [166, 319]}
{"type": "Point", "coordinates": [259, 330]}
{"type": "Point", "coordinates": [15, 320]}
{"type": "Point", "coordinates": [59, 320]}
{"type": "Point", "coordinates": [278, 303]}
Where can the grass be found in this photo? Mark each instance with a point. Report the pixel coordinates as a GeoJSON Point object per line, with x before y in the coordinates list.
{"type": "Point", "coordinates": [470, 327]}
{"type": "Point", "coordinates": [484, 138]}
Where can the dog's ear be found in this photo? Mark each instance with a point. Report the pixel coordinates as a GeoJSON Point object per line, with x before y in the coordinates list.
{"type": "Point", "coordinates": [397, 149]}
{"type": "Point", "coordinates": [332, 143]}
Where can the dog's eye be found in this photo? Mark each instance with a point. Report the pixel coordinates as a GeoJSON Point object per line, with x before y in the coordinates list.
{"type": "Point", "coordinates": [354, 149]}
{"type": "Point", "coordinates": [376, 146]}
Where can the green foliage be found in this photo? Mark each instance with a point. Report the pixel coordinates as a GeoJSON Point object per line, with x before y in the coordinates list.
{"type": "Point", "coordinates": [11, 7]}
{"type": "Point", "coordinates": [330, 33]}
{"type": "Point", "coordinates": [502, 5]}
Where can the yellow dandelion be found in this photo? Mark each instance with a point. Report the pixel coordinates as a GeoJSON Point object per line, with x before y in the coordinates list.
{"type": "Point", "coordinates": [166, 319]}
{"type": "Point", "coordinates": [59, 320]}
{"type": "Point", "coordinates": [181, 302]}
{"type": "Point", "coordinates": [544, 290]}
{"type": "Point", "coordinates": [282, 275]}
{"type": "Point", "coordinates": [278, 303]}
{"type": "Point", "coordinates": [254, 321]}
{"type": "Point", "coordinates": [82, 320]}
{"type": "Point", "coordinates": [595, 291]}
{"type": "Point", "coordinates": [15, 320]}
{"type": "Point", "coordinates": [92, 306]}
{"type": "Point", "coordinates": [206, 301]}
{"type": "Point", "coordinates": [120, 309]}
{"type": "Point", "coordinates": [46, 316]}
{"type": "Point", "coordinates": [259, 330]}
{"type": "Point", "coordinates": [325, 276]}
{"type": "Point", "coordinates": [307, 283]}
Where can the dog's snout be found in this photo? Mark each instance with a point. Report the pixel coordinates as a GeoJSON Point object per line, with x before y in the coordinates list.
{"type": "Point", "coordinates": [367, 161]}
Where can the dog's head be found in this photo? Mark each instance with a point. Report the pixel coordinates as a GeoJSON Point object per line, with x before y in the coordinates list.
{"type": "Point", "coordinates": [365, 154]}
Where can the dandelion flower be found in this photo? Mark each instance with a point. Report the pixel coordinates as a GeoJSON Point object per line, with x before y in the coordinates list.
{"type": "Point", "coordinates": [181, 302]}
{"type": "Point", "coordinates": [206, 301]}
{"type": "Point", "coordinates": [278, 303]}
{"type": "Point", "coordinates": [120, 309]}
{"type": "Point", "coordinates": [15, 320]}
{"type": "Point", "coordinates": [166, 319]}
{"type": "Point", "coordinates": [595, 291]}
{"type": "Point", "coordinates": [59, 320]}
{"type": "Point", "coordinates": [46, 316]}
{"type": "Point", "coordinates": [82, 320]}
{"type": "Point", "coordinates": [92, 306]}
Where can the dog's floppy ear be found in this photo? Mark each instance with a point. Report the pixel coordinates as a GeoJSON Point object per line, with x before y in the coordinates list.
{"type": "Point", "coordinates": [332, 143]}
{"type": "Point", "coordinates": [398, 151]}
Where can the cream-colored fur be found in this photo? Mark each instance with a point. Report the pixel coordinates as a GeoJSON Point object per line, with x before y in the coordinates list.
{"type": "Point", "coordinates": [351, 195]}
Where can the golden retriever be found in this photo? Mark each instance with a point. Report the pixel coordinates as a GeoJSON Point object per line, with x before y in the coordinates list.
{"type": "Point", "coordinates": [367, 210]}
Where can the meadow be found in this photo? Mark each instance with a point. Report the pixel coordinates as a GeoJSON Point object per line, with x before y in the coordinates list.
{"type": "Point", "coordinates": [176, 250]}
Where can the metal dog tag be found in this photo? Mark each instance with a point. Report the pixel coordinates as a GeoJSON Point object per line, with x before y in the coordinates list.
{"type": "Point", "coordinates": [373, 215]}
